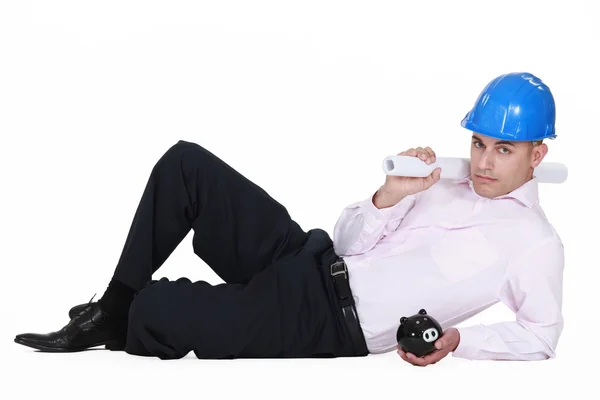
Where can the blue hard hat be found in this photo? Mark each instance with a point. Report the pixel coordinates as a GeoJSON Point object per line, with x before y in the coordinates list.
{"type": "Point", "coordinates": [517, 106]}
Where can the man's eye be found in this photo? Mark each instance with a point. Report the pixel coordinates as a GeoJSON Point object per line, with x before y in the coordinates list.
{"type": "Point", "coordinates": [504, 150]}
{"type": "Point", "coordinates": [476, 144]}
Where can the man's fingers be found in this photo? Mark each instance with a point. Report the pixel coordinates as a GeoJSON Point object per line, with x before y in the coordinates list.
{"type": "Point", "coordinates": [444, 341]}
{"type": "Point", "coordinates": [433, 178]}
{"type": "Point", "coordinates": [423, 361]}
{"type": "Point", "coordinates": [409, 358]}
{"type": "Point", "coordinates": [425, 154]}
{"type": "Point", "coordinates": [422, 154]}
{"type": "Point", "coordinates": [434, 357]}
{"type": "Point", "coordinates": [430, 152]}
{"type": "Point", "coordinates": [440, 343]}
{"type": "Point", "coordinates": [404, 356]}
{"type": "Point", "coordinates": [429, 359]}
{"type": "Point", "coordinates": [419, 361]}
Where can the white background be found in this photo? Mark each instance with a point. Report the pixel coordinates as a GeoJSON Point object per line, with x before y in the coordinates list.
{"type": "Point", "coordinates": [305, 98]}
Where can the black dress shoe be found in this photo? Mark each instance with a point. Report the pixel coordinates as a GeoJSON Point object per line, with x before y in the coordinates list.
{"type": "Point", "coordinates": [76, 310]}
{"type": "Point", "coordinates": [90, 328]}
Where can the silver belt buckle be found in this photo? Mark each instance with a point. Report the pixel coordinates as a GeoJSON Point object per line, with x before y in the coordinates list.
{"type": "Point", "coordinates": [343, 271]}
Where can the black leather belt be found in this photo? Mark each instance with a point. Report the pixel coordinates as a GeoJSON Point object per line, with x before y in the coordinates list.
{"type": "Point", "coordinates": [339, 274]}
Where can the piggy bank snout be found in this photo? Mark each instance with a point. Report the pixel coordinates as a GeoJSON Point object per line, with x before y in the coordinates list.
{"type": "Point", "coordinates": [430, 335]}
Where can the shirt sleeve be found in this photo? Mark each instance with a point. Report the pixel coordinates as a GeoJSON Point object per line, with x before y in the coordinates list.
{"type": "Point", "coordinates": [361, 225]}
{"type": "Point", "coordinates": [533, 290]}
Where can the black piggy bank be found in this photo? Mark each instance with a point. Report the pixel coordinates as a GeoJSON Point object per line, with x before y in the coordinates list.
{"type": "Point", "coordinates": [417, 334]}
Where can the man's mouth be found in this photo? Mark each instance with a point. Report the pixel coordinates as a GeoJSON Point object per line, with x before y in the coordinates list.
{"type": "Point", "coordinates": [484, 178]}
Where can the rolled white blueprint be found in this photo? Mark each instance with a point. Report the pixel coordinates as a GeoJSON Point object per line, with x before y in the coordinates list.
{"type": "Point", "coordinates": [458, 168]}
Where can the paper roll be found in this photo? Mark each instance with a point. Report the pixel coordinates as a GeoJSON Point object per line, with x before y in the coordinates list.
{"type": "Point", "coordinates": [457, 168]}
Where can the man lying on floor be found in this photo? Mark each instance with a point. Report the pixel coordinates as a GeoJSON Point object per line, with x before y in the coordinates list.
{"type": "Point", "coordinates": [453, 248]}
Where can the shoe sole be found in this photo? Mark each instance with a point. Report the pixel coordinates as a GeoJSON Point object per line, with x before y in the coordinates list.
{"type": "Point", "coordinates": [109, 345]}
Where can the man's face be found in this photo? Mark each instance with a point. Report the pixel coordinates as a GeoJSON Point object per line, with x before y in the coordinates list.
{"type": "Point", "coordinates": [508, 164]}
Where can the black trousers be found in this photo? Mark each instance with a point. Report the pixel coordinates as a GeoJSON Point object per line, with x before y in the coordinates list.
{"type": "Point", "coordinates": [277, 301]}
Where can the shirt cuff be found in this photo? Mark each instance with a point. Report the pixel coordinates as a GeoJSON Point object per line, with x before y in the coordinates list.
{"type": "Point", "coordinates": [467, 347]}
{"type": "Point", "coordinates": [374, 216]}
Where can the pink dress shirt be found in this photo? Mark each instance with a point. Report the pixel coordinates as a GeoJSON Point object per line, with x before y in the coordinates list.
{"type": "Point", "coordinates": [455, 254]}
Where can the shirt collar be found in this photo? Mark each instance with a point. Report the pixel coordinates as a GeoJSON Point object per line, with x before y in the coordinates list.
{"type": "Point", "coordinates": [527, 193]}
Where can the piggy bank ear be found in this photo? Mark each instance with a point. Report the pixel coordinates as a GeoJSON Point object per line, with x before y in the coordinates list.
{"type": "Point", "coordinates": [403, 320]}
{"type": "Point", "coordinates": [422, 311]}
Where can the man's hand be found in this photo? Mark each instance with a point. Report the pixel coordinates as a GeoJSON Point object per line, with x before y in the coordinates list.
{"type": "Point", "coordinates": [446, 344]}
{"type": "Point", "coordinates": [396, 188]}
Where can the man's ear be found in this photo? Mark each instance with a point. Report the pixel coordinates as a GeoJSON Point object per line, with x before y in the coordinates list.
{"type": "Point", "coordinates": [538, 153]}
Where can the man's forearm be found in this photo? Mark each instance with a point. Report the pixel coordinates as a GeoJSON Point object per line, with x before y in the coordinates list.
{"type": "Point", "coordinates": [385, 199]}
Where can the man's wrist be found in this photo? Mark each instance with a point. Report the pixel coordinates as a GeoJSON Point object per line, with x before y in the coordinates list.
{"type": "Point", "coordinates": [385, 199]}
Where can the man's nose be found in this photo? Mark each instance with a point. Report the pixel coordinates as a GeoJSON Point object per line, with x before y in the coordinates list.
{"type": "Point", "coordinates": [486, 161]}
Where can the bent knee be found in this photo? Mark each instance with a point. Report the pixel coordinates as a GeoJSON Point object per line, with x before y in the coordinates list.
{"type": "Point", "coordinates": [150, 306]}
{"type": "Point", "coordinates": [184, 146]}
